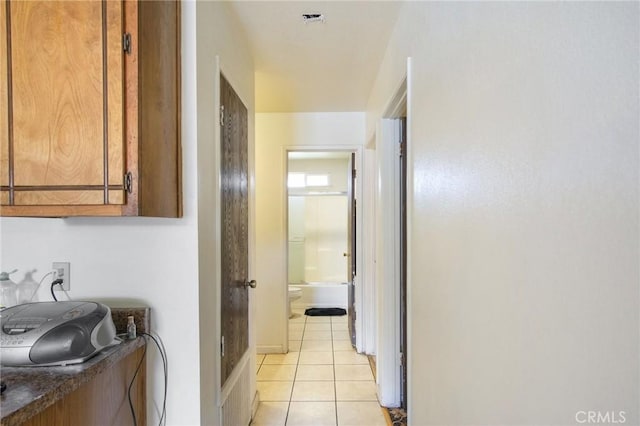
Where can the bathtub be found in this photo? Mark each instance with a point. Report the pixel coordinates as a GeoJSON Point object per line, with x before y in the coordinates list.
{"type": "Point", "coordinates": [322, 295]}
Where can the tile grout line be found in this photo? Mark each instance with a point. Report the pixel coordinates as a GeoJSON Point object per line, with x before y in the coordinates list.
{"type": "Point", "coordinates": [333, 358]}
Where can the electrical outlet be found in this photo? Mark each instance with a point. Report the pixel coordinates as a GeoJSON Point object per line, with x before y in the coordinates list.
{"type": "Point", "coordinates": [64, 273]}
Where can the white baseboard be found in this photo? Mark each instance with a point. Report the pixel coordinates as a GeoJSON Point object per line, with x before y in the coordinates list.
{"type": "Point", "coordinates": [254, 405]}
{"type": "Point", "coordinates": [270, 349]}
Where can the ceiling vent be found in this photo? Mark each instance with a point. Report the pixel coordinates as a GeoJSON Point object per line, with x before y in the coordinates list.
{"type": "Point", "coordinates": [312, 17]}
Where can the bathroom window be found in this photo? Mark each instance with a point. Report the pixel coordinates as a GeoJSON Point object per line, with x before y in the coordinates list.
{"type": "Point", "coordinates": [317, 180]}
{"type": "Point", "coordinates": [296, 180]}
{"type": "Point", "coordinates": [302, 180]}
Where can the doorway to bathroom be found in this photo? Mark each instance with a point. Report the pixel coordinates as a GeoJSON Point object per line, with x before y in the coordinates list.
{"type": "Point", "coordinates": [321, 231]}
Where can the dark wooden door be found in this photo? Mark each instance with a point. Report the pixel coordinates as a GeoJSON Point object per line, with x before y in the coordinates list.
{"type": "Point", "coordinates": [403, 259]}
{"type": "Point", "coordinates": [235, 223]}
{"type": "Point", "coordinates": [351, 311]}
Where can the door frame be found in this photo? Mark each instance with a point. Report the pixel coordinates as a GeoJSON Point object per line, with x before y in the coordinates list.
{"type": "Point", "coordinates": [212, 394]}
{"type": "Point", "coordinates": [352, 248]}
{"type": "Point", "coordinates": [389, 376]}
{"type": "Point", "coordinates": [360, 279]}
{"type": "Point", "coordinates": [235, 206]}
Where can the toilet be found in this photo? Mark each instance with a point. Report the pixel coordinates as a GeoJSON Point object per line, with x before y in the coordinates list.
{"type": "Point", "coordinates": [295, 293]}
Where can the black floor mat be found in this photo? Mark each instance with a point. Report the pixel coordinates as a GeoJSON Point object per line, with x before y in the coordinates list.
{"type": "Point", "coordinates": [325, 312]}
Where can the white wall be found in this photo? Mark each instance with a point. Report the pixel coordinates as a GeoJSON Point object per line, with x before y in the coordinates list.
{"type": "Point", "coordinates": [275, 133]}
{"type": "Point", "coordinates": [150, 260]}
{"type": "Point", "coordinates": [524, 246]}
{"type": "Point", "coordinates": [155, 261]}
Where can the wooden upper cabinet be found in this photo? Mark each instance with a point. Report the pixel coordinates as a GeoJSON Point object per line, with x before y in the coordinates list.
{"type": "Point", "coordinates": [90, 108]}
{"type": "Point", "coordinates": [4, 107]}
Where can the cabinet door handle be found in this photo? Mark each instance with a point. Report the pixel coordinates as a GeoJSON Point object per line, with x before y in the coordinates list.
{"type": "Point", "coordinates": [251, 283]}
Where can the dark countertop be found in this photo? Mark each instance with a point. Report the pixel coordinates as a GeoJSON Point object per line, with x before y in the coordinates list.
{"type": "Point", "coordinates": [30, 390]}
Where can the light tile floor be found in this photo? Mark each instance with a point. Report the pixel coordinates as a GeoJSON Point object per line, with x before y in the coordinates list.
{"type": "Point", "coordinates": [321, 381]}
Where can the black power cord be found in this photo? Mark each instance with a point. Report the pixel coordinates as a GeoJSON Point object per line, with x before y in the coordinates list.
{"type": "Point", "coordinates": [54, 283]}
{"type": "Point", "coordinates": [163, 354]}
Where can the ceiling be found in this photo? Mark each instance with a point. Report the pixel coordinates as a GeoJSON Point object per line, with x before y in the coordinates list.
{"type": "Point", "coordinates": [316, 66]}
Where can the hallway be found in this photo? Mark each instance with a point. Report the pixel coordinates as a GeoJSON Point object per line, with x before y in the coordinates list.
{"type": "Point", "coordinates": [321, 381]}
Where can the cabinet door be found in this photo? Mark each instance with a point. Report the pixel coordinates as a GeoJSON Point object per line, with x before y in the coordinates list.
{"type": "Point", "coordinates": [4, 108]}
{"type": "Point", "coordinates": [64, 84]}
